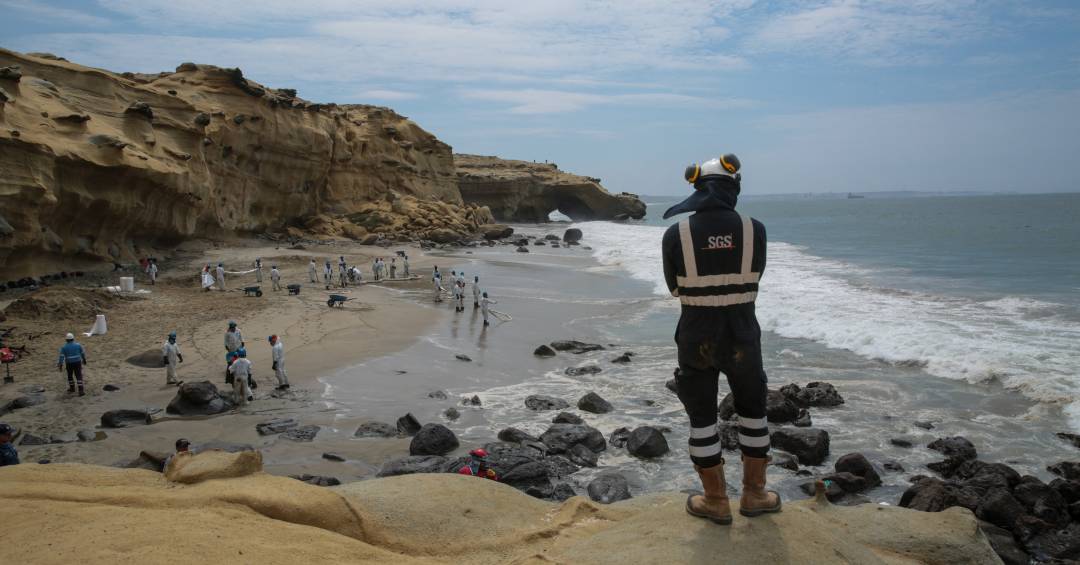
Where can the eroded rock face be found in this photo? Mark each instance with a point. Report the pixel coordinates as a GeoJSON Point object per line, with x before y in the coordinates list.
{"type": "Point", "coordinates": [520, 191]}
{"type": "Point", "coordinates": [174, 172]}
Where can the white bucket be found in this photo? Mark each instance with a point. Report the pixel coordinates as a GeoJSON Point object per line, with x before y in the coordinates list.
{"type": "Point", "coordinates": [127, 284]}
{"type": "Point", "coordinates": [100, 327]}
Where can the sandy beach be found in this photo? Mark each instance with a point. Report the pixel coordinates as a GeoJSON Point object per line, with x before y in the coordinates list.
{"type": "Point", "coordinates": [319, 340]}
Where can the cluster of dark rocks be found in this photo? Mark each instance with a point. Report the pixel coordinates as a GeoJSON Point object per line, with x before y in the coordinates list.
{"type": "Point", "coordinates": [1025, 519]}
{"type": "Point", "coordinates": [570, 238]}
{"type": "Point", "coordinates": [33, 283]}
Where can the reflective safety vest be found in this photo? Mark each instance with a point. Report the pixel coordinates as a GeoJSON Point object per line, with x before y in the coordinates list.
{"type": "Point", "coordinates": [735, 284]}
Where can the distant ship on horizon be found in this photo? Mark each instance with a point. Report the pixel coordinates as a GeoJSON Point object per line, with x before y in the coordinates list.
{"type": "Point", "coordinates": [853, 195]}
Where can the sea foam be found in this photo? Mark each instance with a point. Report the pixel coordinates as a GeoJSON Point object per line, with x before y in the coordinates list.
{"type": "Point", "coordinates": [1024, 343]}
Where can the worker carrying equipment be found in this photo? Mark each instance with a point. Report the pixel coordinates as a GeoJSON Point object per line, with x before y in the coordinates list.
{"type": "Point", "coordinates": [713, 261]}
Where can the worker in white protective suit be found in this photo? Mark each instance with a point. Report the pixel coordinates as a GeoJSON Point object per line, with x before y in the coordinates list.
{"type": "Point", "coordinates": [170, 356]}
{"type": "Point", "coordinates": [456, 291]}
{"type": "Point", "coordinates": [405, 265]}
{"type": "Point", "coordinates": [258, 269]}
{"type": "Point", "coordinates": [207, 278]}
{"type": "Point", "coordinates": [277, 352]}
{"type": "Point", "coordinates": [393, 268]}
{"type": "Point", "coordinates": [233, 338]}
{"type": "Point", "coordinates": [152, 271]}
{"type": "Point", "coordinates": [485, 309]}
{"type": "Point", "coordinates": [241, 372]}
{"type": "Point", "coordinates": [221, 276]}
{"type": "Point", "coordinates": [476, 292]}
{"type": "Point", "coordinates": [275, 277]}
{"type": "Point", "coordinates": [328, 274]}
{"type": "Point", "coordinates": [438, 287]}
{"type": "Point", "coordinates": [313, 272]}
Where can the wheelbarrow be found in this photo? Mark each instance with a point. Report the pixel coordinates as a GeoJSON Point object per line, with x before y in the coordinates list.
{"type": "Point", "coordinates": [293, 289]}
{"type": "Point", "coordinates": [337, 300]}
{"type": "Point", "coordinates": [252, 291]}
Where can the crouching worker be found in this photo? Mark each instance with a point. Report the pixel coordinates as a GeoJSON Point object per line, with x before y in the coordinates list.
{"type": "Point", "coordinates": [478, 466]}
{"type": "Point", "coordinates": [713, 260]}
{"type": "Point", "coordinates": [241, 372]}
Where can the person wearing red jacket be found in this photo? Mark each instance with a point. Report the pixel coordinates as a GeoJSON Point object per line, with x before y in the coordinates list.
{"type": "Point", "coordinates": [477, 466]}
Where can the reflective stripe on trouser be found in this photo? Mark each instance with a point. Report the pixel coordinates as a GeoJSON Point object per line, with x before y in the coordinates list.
{"type": "Point", "coordinates": [697, 382]}
{"type": "Point", "coordinates": [74, 373]}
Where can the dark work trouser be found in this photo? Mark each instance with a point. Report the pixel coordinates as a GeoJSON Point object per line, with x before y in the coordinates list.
{"type": "Point", "coordinates": [74, 373]}
{"type": "Point", "coordinates": [701, 360]}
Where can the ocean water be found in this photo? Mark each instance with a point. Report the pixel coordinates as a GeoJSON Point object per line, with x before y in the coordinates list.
{"type": "Point", "coordinates": [964, 312]}
{"type": "Point", "coordinates": [979, 288]}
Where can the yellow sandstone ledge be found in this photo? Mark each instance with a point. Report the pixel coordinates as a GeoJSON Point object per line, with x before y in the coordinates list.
{"type": "Point", "coordinates": [221, 508]}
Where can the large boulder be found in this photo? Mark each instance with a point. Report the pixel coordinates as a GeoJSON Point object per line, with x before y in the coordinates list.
{"type": "Point", "coordinates": [514, 435]}
{"type": "Point", "coordinates": [593, 402]}
{"type": "Point", "coordinates": [810, 445]}
{"type": "Point", "coordinates": [414, 464]}
{"type": "Point", "coordinates": [275, 426]}
{"type": "Point", "coordinates": [647, 442]}
{"type": "Point", "coordinates": [929, 494]}
{"type": "Point", "coordinates": [198, 399]}
{"type": "Point", "coordinates": [301, 433]}
{"type": "Point", "coordinates": [1062, 544]}
{"type": "Point", "coordinates": [124, 418]}
{"type": "Point", "coordinates": [576, 347]}
{"type": "Point", "coordinates": [814, 394]}
{"type": "Point", "coordinates": [492, 232]}
{"type": "Point", "coordinates": [559, 438]}
{"type": "Point", "coordinates": [375, 429]}
{"type": "Point", "coordinates": [433, 439]}
{"type": "Point", "coordinates": [572, 235]}
{"type": "Point", "coordinates": [408, 425]}
{"type": "Point", "coordinates": [1042, 501]}
{"type": "Point", "coordinates": [1004, 544]}
{"type": "Point", "coordinates": [540, 402]}
{"type": "Point", "coordinates": [207, 465]}
{"type": "Point", "coordinates": [584, 370]}
{"type": "Point", "coordinates": [1069, 470]}
{"type": "Point", "coordinates": [779, 409]}
{"type": "Point", "coordinates": [544, 351]}
{"type": "Point", "coordinates": [954, 447]}
{"type": "Point", "coordinates": [608, 488]}
{"type": "Point", "coordinates": [567, 418]}
{"type": "Point", "coordinates": [1000, 508]}
{"type": "Point", "coordinates": [857, 464]}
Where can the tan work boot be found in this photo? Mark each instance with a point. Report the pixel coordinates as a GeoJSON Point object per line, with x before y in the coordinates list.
{"type": "Point", "coordinates": [713, 505]}
{"type": "Point", "coordinates": [755, 499]}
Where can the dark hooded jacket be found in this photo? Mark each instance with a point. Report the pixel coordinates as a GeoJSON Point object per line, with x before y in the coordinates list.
{"type": "Point", "coordinates": [714, 220]}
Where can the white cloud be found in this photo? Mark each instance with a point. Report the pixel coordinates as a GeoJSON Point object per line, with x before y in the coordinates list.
{"type": "Point", "coordinates": [871, 31]}
{"type": "Point", "coordinates": [378, 94]}
{"type": "Point", "coordinates": [48, 12]}
{"type": "Point", "coordinates": [539, 101]}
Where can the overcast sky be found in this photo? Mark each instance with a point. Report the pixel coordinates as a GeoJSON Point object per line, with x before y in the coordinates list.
{"type": "Point", "coordinates": [835, 95]}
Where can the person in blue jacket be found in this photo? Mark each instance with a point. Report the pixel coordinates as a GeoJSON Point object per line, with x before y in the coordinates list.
{"type": "Point", "coordinates": [73, 357]}
{"type": "Point", "coordinates": [8, 454]}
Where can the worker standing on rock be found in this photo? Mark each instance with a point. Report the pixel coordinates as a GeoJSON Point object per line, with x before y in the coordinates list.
{"type": "Point", "coordinates": [476, 292]}
{"type": "Point", "coordinates": [275, 277]}
{"type": "Point", "coordinates": [258, 269]}
{"type": "Point", "coordinates": [277, 351]}
{"type": "Point", "coordinates": [72, 357]}
{"type": "Point", "coordinates": [313, 272]}
{"type": "Point", "coordinates": [241, 372]}
{"type": "Point", "coordinates": [485, 308]}
{"type": "Point", "coordinates": [170, 356]}
{"type": "Point", "coordinates": [221, 276]}
{"type": "Point", "coordinates": [713, 261]}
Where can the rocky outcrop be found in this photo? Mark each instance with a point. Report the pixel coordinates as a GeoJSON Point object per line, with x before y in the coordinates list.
{"type": "Point", "coordinates": [521, 191]}
{"type": "Point", "coordinates": [105, 166]}
{"type": "Point", "coordinates": [404, 520]}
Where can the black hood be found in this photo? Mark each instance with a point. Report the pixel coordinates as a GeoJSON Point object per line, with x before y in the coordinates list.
{"type": "Point", "coordinates": [710, 192]}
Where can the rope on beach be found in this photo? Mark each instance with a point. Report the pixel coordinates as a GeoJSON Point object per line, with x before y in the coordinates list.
{"type": "Point", "coordinates": [501, 315]}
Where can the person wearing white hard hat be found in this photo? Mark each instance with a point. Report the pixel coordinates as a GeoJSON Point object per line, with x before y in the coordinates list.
{"type": "Point", "coordinates": [712, 262]}
{"type": "Point", "coordinates": [73, 357]}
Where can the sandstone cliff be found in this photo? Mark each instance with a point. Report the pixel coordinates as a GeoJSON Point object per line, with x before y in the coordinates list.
{"type": "Point", "coordinates": [521, 191]}
{"type": "Point", "coordinates": [104, 165]}
{"type": "Point", "coordinates": [219, 508]}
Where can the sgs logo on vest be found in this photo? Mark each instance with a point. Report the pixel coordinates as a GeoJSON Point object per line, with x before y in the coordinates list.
{"type": "Point", "coordinates": [718, 242]}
